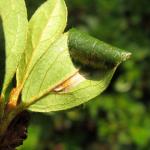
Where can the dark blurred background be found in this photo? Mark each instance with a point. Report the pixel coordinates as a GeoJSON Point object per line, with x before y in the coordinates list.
{"type": "Point", "coordinates": [119, 119]}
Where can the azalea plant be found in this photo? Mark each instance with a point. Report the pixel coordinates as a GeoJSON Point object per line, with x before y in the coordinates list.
{"type": "Point", "coordinates": [53, 69]}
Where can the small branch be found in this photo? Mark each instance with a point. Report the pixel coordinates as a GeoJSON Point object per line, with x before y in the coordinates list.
{"type": "Point", "coordinates": [9, 116]}
{"type": "Point", "coordinates": [2, 105]}
{"type": "Point", "coordinates": [16, 132]}
{"type": "Point", "coordinates": [5, 123]}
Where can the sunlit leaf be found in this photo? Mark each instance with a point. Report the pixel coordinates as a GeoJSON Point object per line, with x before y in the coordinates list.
{"type": "Point", "coordinates": [45, 26]}
{"type": "Point", "coordinates": [67, 74]}
{"type": "Point", "coordinates": [14, 19]}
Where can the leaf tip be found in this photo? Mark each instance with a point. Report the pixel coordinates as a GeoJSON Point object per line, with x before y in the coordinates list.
{"type": "Point", "coordinates": [126, 56]}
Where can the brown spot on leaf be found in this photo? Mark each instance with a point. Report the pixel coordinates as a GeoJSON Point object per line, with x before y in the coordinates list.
{"type": "Point", "coordinates": [69, 83]}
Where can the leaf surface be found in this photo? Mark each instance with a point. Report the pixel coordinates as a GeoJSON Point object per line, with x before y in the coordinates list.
{"type": "Point", "coordinates": [62, 80]}
{"type": "Point", "coordinates": [14, 19]}
{"type": "Point", "coordinates": [45, 26]}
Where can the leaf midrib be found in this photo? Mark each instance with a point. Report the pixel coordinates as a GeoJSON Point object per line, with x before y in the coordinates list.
{"type": "Point", "coordinates": [34, 99]}
{"type": "Point", "coordinates": [46, 93]}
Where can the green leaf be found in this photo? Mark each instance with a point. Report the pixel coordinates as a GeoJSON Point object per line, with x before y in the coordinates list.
{"type": "Point", "coordinates": [93, 52]}
{"type": "Point", "coordinates": [45, 26]}
{"type": "Point", "coordinates": [61, 80]}
{"type": "Point", "coordinates": [14, 19]}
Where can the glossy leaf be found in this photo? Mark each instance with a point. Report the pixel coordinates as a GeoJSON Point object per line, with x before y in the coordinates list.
{"type": "Point", "coordinates": [45, 26]}
{"type": "Point", "coordinates": [61, 80]}
{"type": "Point", "coordinates": [14, 19]}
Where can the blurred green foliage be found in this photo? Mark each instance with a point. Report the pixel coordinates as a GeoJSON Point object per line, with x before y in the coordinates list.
{"type": "Point", "coordinates": [119, 119]}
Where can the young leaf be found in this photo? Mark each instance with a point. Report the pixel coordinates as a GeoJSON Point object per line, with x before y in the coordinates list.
{"type": "Point", "coordinates": [14, 19]}
{"type": "Point", "coordinates": [60, 80]}
{"type": "Point", "coordinates": [45, 26]}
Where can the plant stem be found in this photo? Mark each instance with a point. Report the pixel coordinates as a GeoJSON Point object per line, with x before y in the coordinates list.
{"type": "Point", "coordinates": [7, 120]}
{"type": "Point", "coordinates": [5, 123]}
{"type": "Point", "coordinates": [1, 108]}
